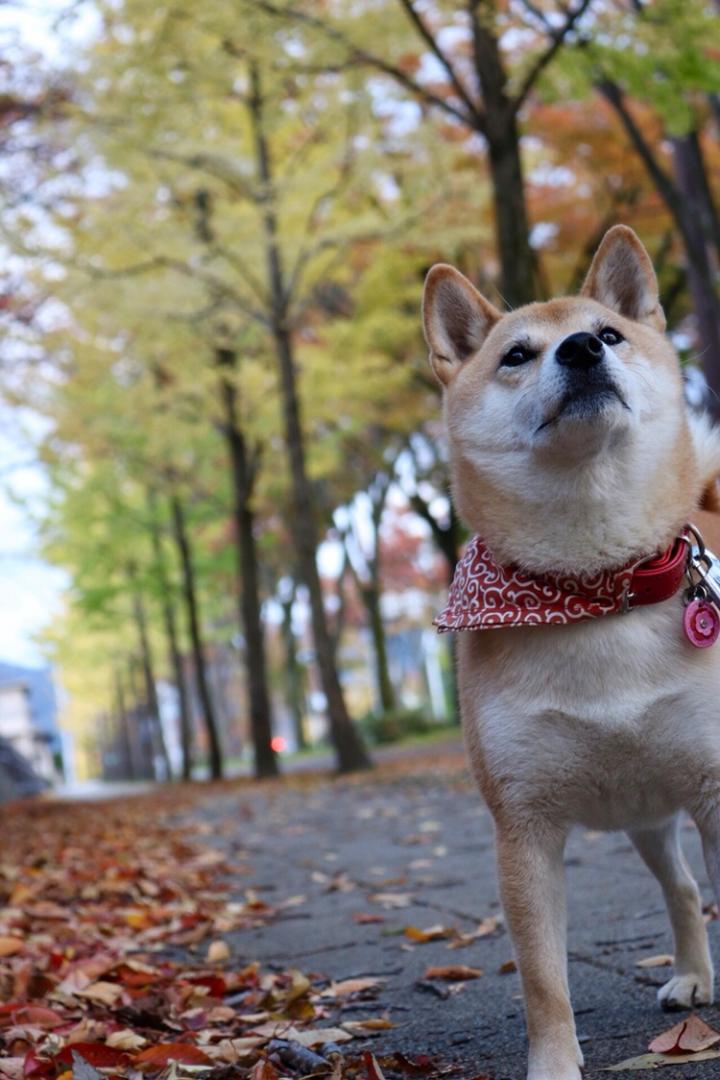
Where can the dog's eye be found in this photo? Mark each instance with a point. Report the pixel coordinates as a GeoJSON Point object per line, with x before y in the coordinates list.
{"type": "Point", "coordinates": [516, 356]}
{"type": "Point", "coordinates": [610, 336]}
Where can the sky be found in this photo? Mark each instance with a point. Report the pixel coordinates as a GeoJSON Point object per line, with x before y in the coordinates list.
{"type": "Point", "coordinates": [30, 589]}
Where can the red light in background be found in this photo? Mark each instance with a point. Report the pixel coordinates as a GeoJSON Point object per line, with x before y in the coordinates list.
{"type": "Point", "coordinates": [278, 744]}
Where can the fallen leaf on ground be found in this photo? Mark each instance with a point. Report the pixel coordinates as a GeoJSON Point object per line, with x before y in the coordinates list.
{"type": "Point", "coordinates": [263, 1070]}
{"type": "Point", "coordinates": [372, 1068]}
{"type": "Point", "coordinates": [507, 968]}
{"type": "Point", "coordinates": [689, 1036]}
{"type": "Point", "coordinates": [82, 1070]}
{"type": "Point", "coordinates": [391, 900]}
{"type": "Point", "coordinates": [453, 972]}
{"type": "Point", "coordinates": [102, 993]}
{"type": "Point", "coordinates": [108, 899]}
{"type": "Point", "coordinates": [12, 1067]}
{"type": "Point", "coordinates": [317, 1036]}
{"type": "Point", "coordinates": [373, 1023]}
{"type": "Point", "coordinates": [97, 1054]}
{"type": "Point", "coordinates": [10, 946]}
{"type": "Point", "coordinates": [347, 987]}
{"type": "Point", "coordinates": [218, 951]}
{"type": "Point", "coordinates": [35, 1015]}
{"type": "Point", "coordinates": [488, 926]}
{"type": "Point", "coordinates": [126, 1039]}
{"type": "Point", "coordinates": [433, 933]}
{"type": "Point", "coordinates": [363, 917]}
{"type": "Point", "coordinates": [159, 1057]}
{"type": "Point", "coordinates": [658, 1061]}
{"type": "Point", "coordinates": [661, 960]}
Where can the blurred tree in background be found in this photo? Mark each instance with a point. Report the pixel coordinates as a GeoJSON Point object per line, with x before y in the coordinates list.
{"type": "Point", "coordinates": [217, 220]}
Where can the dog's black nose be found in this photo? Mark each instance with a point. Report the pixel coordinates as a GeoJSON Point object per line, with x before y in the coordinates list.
{"type": "Point", "coordinates": [580, 351]}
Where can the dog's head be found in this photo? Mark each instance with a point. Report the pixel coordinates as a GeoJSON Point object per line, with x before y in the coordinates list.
{"type": "Point", "coordinates": [568, 431]}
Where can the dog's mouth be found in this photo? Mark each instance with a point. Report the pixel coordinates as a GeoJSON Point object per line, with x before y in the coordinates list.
{"type": "Point", "coordinates": [585, 402]}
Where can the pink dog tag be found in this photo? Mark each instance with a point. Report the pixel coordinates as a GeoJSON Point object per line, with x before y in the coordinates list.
{"type": "Point", "coordinates": [701, 623]}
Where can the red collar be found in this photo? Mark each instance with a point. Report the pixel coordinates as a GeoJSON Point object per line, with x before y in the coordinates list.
{"type": "Point", "coordinates": [484, 594]}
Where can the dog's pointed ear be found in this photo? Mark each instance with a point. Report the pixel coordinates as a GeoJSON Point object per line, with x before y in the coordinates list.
{"type": "Point", "coordinates": [622, 278]}
{"type": "Point", "coordinates": [457, 319]}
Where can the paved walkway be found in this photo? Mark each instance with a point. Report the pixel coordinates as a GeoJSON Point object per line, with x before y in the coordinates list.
{"type": "Point", "coordinates": [414, 845]}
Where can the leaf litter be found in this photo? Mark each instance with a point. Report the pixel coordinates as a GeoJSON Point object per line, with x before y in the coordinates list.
{"type": "Point", "coordinates": [689, 1040]}
{"type": "Point", "coordinates": [98, 902]}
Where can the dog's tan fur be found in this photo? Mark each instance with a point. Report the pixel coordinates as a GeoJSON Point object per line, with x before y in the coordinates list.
{"type": "Point", "coordinates": [611, 723]}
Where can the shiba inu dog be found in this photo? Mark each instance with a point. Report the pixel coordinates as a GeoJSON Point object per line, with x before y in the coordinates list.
{"type": "Point", "coordinates": [585, 698]}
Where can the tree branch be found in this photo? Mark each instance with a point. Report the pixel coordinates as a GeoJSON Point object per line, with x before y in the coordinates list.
{"type": "Point", "coordinates": [663, 182]}
{"type": "Point", "coordinates": [432, 43]}
{"type": "Point", "coordinates": [362, 56]}
{"type": "Point", "coordinates": [557, 41]}
{"type": "Point", "coordinates": [165, 262]}
{"type": "Point", "coordinates": [212, 165]}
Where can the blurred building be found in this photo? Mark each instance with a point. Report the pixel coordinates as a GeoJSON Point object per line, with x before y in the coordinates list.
{"type": "Point", "coordinates": [28, 718]}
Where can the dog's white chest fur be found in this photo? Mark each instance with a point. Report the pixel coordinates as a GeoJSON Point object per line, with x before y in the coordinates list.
{"type": "Point", "coordinates": [611, 723]}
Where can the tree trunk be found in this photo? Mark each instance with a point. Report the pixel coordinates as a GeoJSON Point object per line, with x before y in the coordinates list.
{"type": "Point", "coordinates": [691, 174]}
{"type": "Point", "coordinates": [497, 123]}
{"type": "Point", "coordinates": [368, 584]}
{"type": "Point", "coordinates": [517, 259]}
{"type": "Point", "coordinates": [448, 540]}
{"type": "Point", "coordinates": [171, 633]}
{"type": "Point", "coordinates": [683, 199]}
{"type": "Point", "coordinates": [146, 658]}
{"type": "Point", "coordinates": [124, 727]}
{"type": "Point", "coordinates": [243, 471]}
{"type": "Point", "coordinates": [190, 593]}
{"type": "Point", "coordinates": [350, 752]}
{"type": "Point", "coordinates": [701, 228]}
{"type": "Point", "coordinates": [383, 683]}
{"type": "Point", "coordinates": [293, 673]}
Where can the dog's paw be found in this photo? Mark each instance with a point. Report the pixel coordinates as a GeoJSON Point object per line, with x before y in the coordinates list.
{"type": "Point", "coordinates": [686, 992]}
{"type": "Point", "coordinates": [553, 1066]}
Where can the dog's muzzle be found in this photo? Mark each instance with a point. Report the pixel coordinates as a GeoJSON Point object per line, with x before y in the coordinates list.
{"type": "Point", "coordinates": [589, 385]}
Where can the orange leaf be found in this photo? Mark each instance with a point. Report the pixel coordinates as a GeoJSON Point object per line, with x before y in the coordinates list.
{"type": "Point", "coordinates": [159, 1057]}
{"type": "Point", "coordinates": [453, 972]}
{"type": "Point", "coordinates": [9, 946]}
{"type": "Point", "coordinates": [263, 1070]}
{"type": "Point", "coordinates": [433, 933]}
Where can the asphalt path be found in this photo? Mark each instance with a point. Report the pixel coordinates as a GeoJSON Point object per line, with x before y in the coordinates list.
{"type": "Point", "coordinates": [412, 846]}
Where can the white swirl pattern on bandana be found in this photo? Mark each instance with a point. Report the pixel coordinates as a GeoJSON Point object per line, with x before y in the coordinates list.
{"type": "Point", "coordinates": [484, 594]}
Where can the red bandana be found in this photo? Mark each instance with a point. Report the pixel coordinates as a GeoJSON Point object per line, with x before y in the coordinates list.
{"type": "Point", "coordinates": [484, 594]}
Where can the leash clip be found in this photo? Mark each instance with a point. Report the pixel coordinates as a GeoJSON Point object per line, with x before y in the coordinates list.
{"type": "Point", "coordinates": [703, 571]}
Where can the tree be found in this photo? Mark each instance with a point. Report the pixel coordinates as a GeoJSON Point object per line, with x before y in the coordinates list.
{"type": "Point", "coordinates": [471, 85]}
{"type": "Point", "coordinates": [182, 541]}
{"type": "Point", "coordinates": [656, 69]}
{"type": "Point", "coordinates": [167, 603]}
{"type": "Point", "coordinates": [245, 461]}
{"type": "Point", "coordinates": [364, 562]}
{"type": "Point", "coordinates": [296, 258]}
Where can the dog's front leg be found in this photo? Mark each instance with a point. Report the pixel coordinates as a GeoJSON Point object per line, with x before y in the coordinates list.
{"type": "Point", "coordinates": [692, 983]}
{"type": "Point", "coordinates": [532, 885]}
{"type": "Point", "coordinates": [707, 819]}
